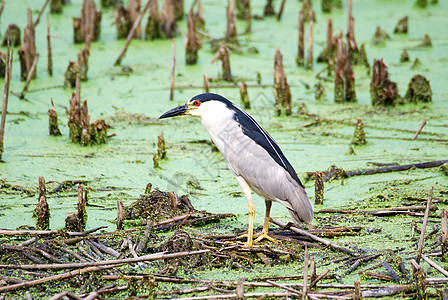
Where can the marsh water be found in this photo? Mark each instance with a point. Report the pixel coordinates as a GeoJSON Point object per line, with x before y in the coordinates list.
{"type": "Point", "coordinates": [131, 102]}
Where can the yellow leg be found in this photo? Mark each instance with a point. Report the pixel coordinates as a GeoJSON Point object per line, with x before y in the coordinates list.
{"type": "Point", "coordinates": [248, 193]}
{"type": "Point", "coordinates": [264, 233]}
{"type": "Point", "coordinates": [250, 231]}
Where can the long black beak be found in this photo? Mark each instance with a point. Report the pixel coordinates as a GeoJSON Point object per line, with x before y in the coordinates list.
{"type": "Point", "coordinates": [177, 111]}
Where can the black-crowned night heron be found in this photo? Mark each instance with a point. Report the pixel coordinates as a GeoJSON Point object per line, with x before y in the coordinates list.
{"type": "Point", "coordinates": [253, 156]}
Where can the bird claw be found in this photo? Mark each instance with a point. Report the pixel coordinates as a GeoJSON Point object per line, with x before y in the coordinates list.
{"type": "Point", "coordinates": [265, 236]}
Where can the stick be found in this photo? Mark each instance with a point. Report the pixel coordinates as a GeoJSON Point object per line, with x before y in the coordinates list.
{"type": "Point", "coordinates": [305, 274]}
{"type": "Point", "coordinates": [387, 291]}
{"type": "Point", "coordinates": [106, 249]}
{"type": "Point", "coordinates": [429, 164]}
{"type": "Point", "coordinates": [49, 58]}
{"type": "Point", "coordinates": [40, 13]}
{"type": "Point", "coordinates": [318, 278]}
{"type": "Point", "coordinates": [8, 69]}
{"type": "Point", "coordinates": [285, 287]}
{"type": "Point", "coordinates": [30, 76]}
{"type": "Point", "coordinates": [173, 66]}
{"type": "Point", "coordinates": [55, 277]}
{"type": "Point", "coordinates": [422, 235]}
{"type": "Point", "coordinates": [280, 12]}
{"type": "Point", "coordinates": [444, 226]}
{"type": "Point", "coordinates": [391, 271]}
{"type": "Point", "coordinates": [131, 33]}
{"type": "Point", "coordinates": [48, 232]}
{"type": "Point", "coordinates": [64, 293]}
{"type": "Point", "coordinates": [313, 237]}
{"type": "Point", "coordinates": [120, 214]}
{"type": "Point", "coordinates": [436, 266]}
{"type": "Point", "coordinates": [2, 6]}
{"type": "Point", "coordinates": [419, 130]}
{"type": "Point", "coordinates": [309, 41]}
{"type": "Point", "coordinates": [151, 257]}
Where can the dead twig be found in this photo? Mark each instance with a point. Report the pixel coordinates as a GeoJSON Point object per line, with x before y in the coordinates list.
{"type": "Point", "coordinates": [285, 287]}
{"type": "Point", "coordinates": [313, 237]}
{"type": "Point", "coordinates": [423, 165]}
{"type": "Point", "coordinates": [419, 130]}
{"type": "Point", "coordinates": [131, 33]}
{"type": "Point", "coordinates": [151, 257]}
{"type": "Point", "coordinates": [434, 265]}
{"type": "Point", "coordinates": [173, 66]}
{"type": "Point", "coordinates": [40, 13]}
{"type": "Point", "coordinates": [425, 221]}
{"type": "Point", "coordinates": [56, 277]}
{"type": "Point", "coordinates": [8, 69]}
{"type": "Point", "coordinates": [28, 79]}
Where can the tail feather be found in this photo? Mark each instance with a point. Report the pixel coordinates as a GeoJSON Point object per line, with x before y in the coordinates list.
{"type": "Point", "coordinates": [301, 209]}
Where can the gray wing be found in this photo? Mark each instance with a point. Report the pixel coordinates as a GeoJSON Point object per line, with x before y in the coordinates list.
{"type": "Point", "coordinates": [268, 179]}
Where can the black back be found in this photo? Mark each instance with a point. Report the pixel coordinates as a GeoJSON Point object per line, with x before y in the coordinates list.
{"type": "Point", "coordinates": [254, 131]}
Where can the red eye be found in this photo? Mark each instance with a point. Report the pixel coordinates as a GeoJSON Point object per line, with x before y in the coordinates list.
{"type": "Point", "coordinates": [197, 103]}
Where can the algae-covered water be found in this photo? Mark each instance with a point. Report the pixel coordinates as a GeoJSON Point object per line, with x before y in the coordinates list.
{"type": "Point", "coordinates": [131, 103]}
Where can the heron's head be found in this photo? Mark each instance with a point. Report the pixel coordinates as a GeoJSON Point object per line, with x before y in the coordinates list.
{"type": "Point", "coordinates": [200, 105]}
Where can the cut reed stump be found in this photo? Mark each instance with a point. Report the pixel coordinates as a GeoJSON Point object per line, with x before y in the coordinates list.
{"type": "Point", "coordinates": [339, 74]}
{"type": "Point", "coordinates": [12, 33]}
{"type": "Point", "coordinates": [78, 68]}
{"type": "Point", "coordinates": [53, 125]}
{"type": "Point", "coordinates": [178, 9]}
{"type": "Point", "coordinates": [382, 90]}
{"type": "Point", "coordinates": [231, 35]}
{"type": "Point", "coordinates": [223, 55]}
{"type": "Point", "coordinates": [27, 51]}
{"type": "Point", "coordinates": [161, 146]}
{"type": "Point", "coordinates": [350, 89]}
{"type": "Point", "coordinates": [309, 41]}
{"type": "Point", "coordinates": [82, 212]}
{"type": "Point", "coordinates": [153, 28]}
{"type": "Point", "coordinates": [444, 237]}
{"type": "Point", "coordinates": [120, 214]}
{"type": "Point", "coordinates": [42, 210]}
{"type": "Point", "coordinates": [243, 12]}
{"type": "Point", "coordinates": [326, 6]}
{"type": "Point", "coordinates": [282, 90]}
{"type": "Point", "coordinates": [419, 90]}
{"type": "Point", "coordinates": [206, 84]}
{"type": "Point", "coordinates": [49, 54]}
{"type": "Point", "coordinates": [269, 9]}
{"type": "Point", "coordinates": [168, 20]}
{"type": "Point", "coordinates": [2, 64]}
{"type": "Point", "coordinates": [88, 26]}
{"type": "Point", "coordinates": [300, 60]}
{"type": "Point", "coordinates": [8, 68]}
{"type": "Point", "coordinates": [380, 37]}
{"type": "Point", "coordinates": [356, 55]}
{"type": "Point", "coordinates": [56, 6]}
{"type": "Point", "coordinates": [359, 136]}
{"type": "Point", "coordinates": [79, 128]}
{"type": "Point", "coordinates": [199, 15]}
{"type": "Point", "coordinates": [319, 188]}
{"type": "Point", "coordinates": [126, 18]}
{"type": "Point", "coordinates": [404, 57]}
{"type": "Point", "coordinates": [173, 66]}
{"type": "Point", "coordinates": [329, 52]}
{"type": "Point", "coordinates": [402, 25]}
{"type": "Point", "coordinates": [193, 43]}
{"type": "Point", "coordinates": [245, 101]}
{"type": "Point", "coordinates": [426, 42]}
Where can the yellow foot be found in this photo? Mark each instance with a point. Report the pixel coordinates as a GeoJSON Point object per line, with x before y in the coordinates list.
{"type": "Point", "coordinates": [265, 236]}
